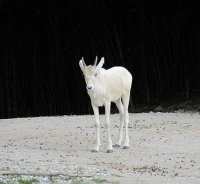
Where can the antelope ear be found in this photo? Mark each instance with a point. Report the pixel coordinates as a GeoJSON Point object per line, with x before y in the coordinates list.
{"type": "Point", "coordinates": [82, 64]}
{"type": "Point", "coordinates": [100, 63]}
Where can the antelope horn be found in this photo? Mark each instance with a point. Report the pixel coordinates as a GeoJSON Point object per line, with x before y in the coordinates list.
{"type": "Point", "coordinates": [95, 62]}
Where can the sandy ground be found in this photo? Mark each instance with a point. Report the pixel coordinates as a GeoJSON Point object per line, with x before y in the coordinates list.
{"type": "Point", "coordinates": [165, 149]}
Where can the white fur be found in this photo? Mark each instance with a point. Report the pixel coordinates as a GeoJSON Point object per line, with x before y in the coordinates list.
{"type": "Point", "coordinates": [106, 86]}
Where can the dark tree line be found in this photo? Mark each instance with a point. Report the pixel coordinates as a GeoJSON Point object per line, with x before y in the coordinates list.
{"type": "Point", "coordinates": [41, 45]}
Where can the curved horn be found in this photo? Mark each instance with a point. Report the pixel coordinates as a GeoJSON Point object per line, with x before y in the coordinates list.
{"type": "Point", "coordinates": [95, 61]}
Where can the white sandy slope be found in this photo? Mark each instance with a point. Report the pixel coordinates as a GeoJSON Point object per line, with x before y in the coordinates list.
{"type": "Point", "coordinates": [165, 148]}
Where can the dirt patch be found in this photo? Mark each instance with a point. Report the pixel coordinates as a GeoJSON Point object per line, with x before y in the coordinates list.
{"type": "Point", "coordinates": [164, 148]}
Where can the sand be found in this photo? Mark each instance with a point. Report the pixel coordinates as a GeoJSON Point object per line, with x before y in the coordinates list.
{"type": "Point", "coordinates": [165, 148]}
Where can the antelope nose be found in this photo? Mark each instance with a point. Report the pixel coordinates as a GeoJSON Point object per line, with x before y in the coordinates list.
{"type": "Point", "coordinates": [89, 87]}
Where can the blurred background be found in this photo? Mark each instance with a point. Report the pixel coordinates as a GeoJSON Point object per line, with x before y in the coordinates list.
{"type": "Point", "coordinates": [42, 42]}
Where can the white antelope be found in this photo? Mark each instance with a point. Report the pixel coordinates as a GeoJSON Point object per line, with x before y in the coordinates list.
{"type": "Point", "coordinates": [106, 86]}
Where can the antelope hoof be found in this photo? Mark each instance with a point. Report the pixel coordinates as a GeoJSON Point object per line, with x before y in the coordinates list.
{"type": "Point", "coordinates": [116, 146]}
{"type": "Point", "coordinates": [125, 147]}
{"type": "Point", "coordinates": [94, 150]}
{"type": "Point", "coordinates": [109, 151]}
